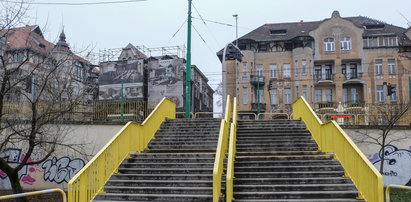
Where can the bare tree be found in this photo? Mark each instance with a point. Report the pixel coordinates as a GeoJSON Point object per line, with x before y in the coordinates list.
{"type": "Point", "coordinates": [385, 117]}
{"type": "Point", "coordinates": [219, 93]}
{"type": "Point", "coordinates": [40, 86]}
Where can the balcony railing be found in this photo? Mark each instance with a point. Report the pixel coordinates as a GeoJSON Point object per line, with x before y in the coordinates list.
{"type": "Point", "coordinates": [254, 106]}
{"type": "Point", "coordinates": [350, 76]}
{"type": "Point", "coordinates": [257, 80]}
{"type": "Point", "coordinates": [323, 78]}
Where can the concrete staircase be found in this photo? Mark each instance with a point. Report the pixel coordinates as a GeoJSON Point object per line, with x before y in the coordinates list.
{"type": "Point", "coordinates": [177, 166]}
{"type": "Point", "coordinates": [278, 161]}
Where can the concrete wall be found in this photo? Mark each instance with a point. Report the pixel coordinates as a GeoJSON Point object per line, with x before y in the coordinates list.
{"type": "Point", "coordinates": [63, 165]}
{"type": "Point", "coordinates": [397, 166]}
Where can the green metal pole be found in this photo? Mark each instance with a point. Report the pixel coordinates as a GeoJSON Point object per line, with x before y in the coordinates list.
{"type": "Point", "coordinates": [188, 63]}
{"type": "Point", "coordinates": [122, 101]}
{"type": "Point", "coordinates": [258, 97]}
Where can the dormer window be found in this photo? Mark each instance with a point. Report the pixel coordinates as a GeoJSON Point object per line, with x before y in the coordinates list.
{"type": "Point", "coordinates": [278, 31]}
{"type": "Point", "coordinates": [329, 44]}
{"type": "Point", "coordinates": [374, 26]}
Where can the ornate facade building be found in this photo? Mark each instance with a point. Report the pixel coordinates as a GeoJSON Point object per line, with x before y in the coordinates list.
{"type": "Point", "coordinates": [338, 64]}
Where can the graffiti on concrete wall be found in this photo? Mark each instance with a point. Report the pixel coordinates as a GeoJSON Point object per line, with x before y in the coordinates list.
{"type": "Point", "coordinates": [62, 169]}
{"type": "Point", "coordinates": [397, 165]}
{"type": "Point", "coordinates": [54, 170]}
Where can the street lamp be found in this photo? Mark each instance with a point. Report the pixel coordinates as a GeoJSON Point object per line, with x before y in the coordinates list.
{"type": "Point", "coordinates": [236, 29]}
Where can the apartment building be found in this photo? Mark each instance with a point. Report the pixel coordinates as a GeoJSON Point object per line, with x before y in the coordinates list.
{"type": "Point", "coordinates": [335, 63]}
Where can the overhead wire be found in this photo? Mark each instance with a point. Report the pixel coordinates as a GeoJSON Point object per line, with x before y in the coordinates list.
{"type": "Point", "coordinates": [73, 3]}
{"type": "Point", "coordinates": [178, 30]}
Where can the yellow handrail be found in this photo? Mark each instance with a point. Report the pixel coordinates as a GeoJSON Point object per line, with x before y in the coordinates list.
{"type": "Point", "coordinates": [231, 154]}
{"type": "Point", "coordinates": [331, 138]}
{"type": "Point", "coordinates": [46, 191]}
{"type": "Point", "coordinates": [388, 189]}
{"type": "Point", "coordinates": [87, 183]}
{"type": "Point", "coordinates": [220, 152]}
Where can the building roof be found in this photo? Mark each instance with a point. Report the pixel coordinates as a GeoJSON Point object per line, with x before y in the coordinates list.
{"type": "Point", "coordinates": [288, 31]}
{"type": "Point", "coordinates": [31, 37]}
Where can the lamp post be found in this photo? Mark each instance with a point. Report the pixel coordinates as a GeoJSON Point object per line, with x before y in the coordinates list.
{"type": "Point", "coordinates": [122, 100]}
{"type": "Point", "coordinates": [236, 29]}
{"type": "Point", "coordinates": [188, 63]}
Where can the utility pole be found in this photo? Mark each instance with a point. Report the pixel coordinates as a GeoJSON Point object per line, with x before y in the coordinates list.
{"type": "Point", "coordinates": [258, 96]}
{"type": "Point", "coordinates": [188, 63]}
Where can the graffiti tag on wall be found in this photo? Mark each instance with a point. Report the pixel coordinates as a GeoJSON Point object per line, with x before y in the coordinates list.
{"type": "Point", "coordinates": [62, 169]}
{"type": "Point", "coordinates": [397, 165]}
{"type": "Point", "coordinates": [55, 170]}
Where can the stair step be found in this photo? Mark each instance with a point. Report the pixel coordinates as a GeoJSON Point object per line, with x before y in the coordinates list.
{"type": "Point", "coordinates": [161, 183]}
{"type": "Point", "coordinates": [296, 195]}
{"type": "Point", "coordinates": [167, 165]}
{"type": "Point", "coordinates": [154, 197]}
{"type": "Point", "coordinates": [294, 187]}
{"type": "Point", "coordinates": [166, 170]}
{"type": "Point", "coordinates": [284, 157]}
{"type": "Point", "coordinates": [304, 174]}
{"type": "Point", "coordinates": [278, 181]}
{"type": "Point", "coordinates": [181, 150]}
{"type": "Point", "coordinates": [252, 149]}
{"type": "Point", "coordinates": [170, 160]}
{"type": "Point", "coordinates": [300, 200]}
{"type": "Point", "coordinates": [158, 190]}
{"type": "Point", "coordinates": [162, 176]}
{"type": "Point", "coordinates": [274, 153]}
{"type": "Point", "coordinates": [324, 162]}
{"type": "Point", "coordinates": [288, 168]}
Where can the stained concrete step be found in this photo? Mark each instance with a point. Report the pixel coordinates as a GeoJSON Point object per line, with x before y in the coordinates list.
{"type": "Point", "coordinates": [171, 160]}
{"type": "Point", "coordinates": [182, 147]}
{"type": "Point", "coordinates": [289, 148]}
{"type": "Point", "coordinates": [161, 183]}
{"type": "Point", "coordinates": [288, 181]}
{"type": "Point", "coordinates": [166, 165]}
{"type": "Point", "coordinates": [288, 168]}
{"type": "Point", "coordinates": [275, 142]}
{"type": "Point", "coordinates": [294, 187]}
{"type": "Point", "coordinates": [182, 142]}
{"type": "Point", "coordinates": [284, 157]}
{"type": "Point", "coordinates": [279, 153]}
{"type": "Point", "coordinates": [272, 134]}
{"type": "Point", "coordinates": [303, 174]}
{"type": "Point", "coordinates": [300, 200]}
{"type": "Point", "coordinates": [162, 177]}
{"type": "Point", "coordinates": [172, 155]}
{"type": "Point", "coordinates": [258, 138]}
{"type": "Point", "coordinates": [180, 150]}
{"type": "Point", "coordinates": [170, 171]}
{"type": "Point", "coordinates": [287, 163]}
{"type": "Point", "coordinates": [153, 197]}
{"type": "Point", "coordinates": [296, 195]}
{"type": "Point", "coordinates": [158, 190]}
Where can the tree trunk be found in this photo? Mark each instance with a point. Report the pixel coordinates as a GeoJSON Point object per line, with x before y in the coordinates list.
{"type": "Point", "coordinates": [382, 155]}
{"type": "Point", "coordinates": [16, 187]}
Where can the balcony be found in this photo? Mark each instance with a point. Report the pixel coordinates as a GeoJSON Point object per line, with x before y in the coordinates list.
{"type": "Point", "coordinates": [323, 78]}
{"type": "Point", "coordinates": [352, 78]}
{"type": "Point", "coordinates": [254, 107]}
{"type": "Point", "coordinates": [257, 80]}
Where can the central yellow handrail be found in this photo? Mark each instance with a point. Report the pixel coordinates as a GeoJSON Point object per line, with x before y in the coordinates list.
{"type": "Point", "coordinates": [89, 182]}
{"type": "Point", "coordinates": [331, 138]}
{"type": "Point", "coordinates": [231, 155]}
{"type": "Point", "coordinates": [220, 152]}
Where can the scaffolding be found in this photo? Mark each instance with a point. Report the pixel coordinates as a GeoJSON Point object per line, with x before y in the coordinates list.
{"type": "Point", "coordinates": [112, 54]}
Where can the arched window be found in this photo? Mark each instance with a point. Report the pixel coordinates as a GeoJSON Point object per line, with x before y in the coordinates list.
{"type": "Point", "coordinates": [329, 44]}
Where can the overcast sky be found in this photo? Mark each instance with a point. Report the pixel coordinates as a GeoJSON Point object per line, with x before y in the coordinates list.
{"type": "Point", "coordinates": [152, 23]}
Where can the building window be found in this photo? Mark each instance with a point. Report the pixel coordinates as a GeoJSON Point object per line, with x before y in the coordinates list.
{"type": "Point", "coordinates": [378, 67]}
{"type": "Point", "coordinates": [345, 95]}
{"type": "Point", "coordinates": [273, 97]}
{"type": "Point", "coordinates": [345, 43]}
{"type": "Point", "coordinates": [287, 95]}
{"type": "Point", "coordinates": [393, 96]}
{"type": "Point", "coordinates": [259, 70]}
{"type": "Point", "coordinates": [329, 44]}
{"type": "Point", "coordinates": [244, 69]}
{"type": "Point", "coordinates": [287, 73]}
{"type": "Point", "coordinates": [318, 95]}
{"type": "Point", "coordinates": [296, 67]}
{"type": "Point", "coordinates": [329, 94]}
{"type": "Point", "coordinates": [354, 95]}
{"type": "Point", "coordinates": [273, 71]}
{"type": "Point", "coordinates": [380, 93]}
{"type": "Point", "coordinates": [391, 66]}
{"type": "Point", "coordinates": [305, 92]}
{"type": "Point", "coordinates": [261, 96]}
{"type": "Point", "coordinates": [390, 41]}
{"type": "Point", "coordinates": [370, 42]}
{"type": "Point", "coordinates": [245, 95]}
{"type": "Point", "coordinates": [304, 67]}
{"type": "Point", "coordinates": [297, 92]}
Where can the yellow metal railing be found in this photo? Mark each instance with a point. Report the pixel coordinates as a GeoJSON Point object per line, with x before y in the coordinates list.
{"type": "Point", "coordinates": [221, 152]}
{"type": "Point", "coordinates": [231, 155]}
{"type": "Point", "coordinates": [87, 183]}
{"type": "Point", "coordinates": [388, 189]}
{"type": "Point", "coordinates": [13, 196]}
{"type": "Point", "coordinates": [331, 138]}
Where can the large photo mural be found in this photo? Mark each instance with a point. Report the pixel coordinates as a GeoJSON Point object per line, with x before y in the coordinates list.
{"type": "Point", "coordinates": [166, 79]}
